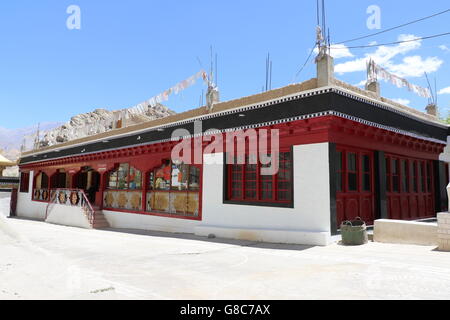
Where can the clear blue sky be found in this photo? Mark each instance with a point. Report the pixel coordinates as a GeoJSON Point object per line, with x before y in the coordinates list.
{"type": "Point", "coordinates": [129, 51]}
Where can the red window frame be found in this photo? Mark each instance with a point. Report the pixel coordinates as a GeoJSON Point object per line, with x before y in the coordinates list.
{"type": "Point", "coordinates": [150, 183]}
{"type": "Point", "coordinates": [416, 178]}
{"type": "Point", "coordinates": [24, 182]}
{"type": "Point", "coordinates": [127, 189]}
{"type": "Point", "coordinates": [344, 171]}
{"type": "Point", "coordinates": [246, 185]}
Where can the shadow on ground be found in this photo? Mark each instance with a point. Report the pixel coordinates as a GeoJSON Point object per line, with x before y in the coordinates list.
{"type": "Point", "coordinates": [187, 236]}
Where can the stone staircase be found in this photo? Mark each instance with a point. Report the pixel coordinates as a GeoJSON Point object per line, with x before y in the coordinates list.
{"type": "Point", "coordinates": [100, 221]}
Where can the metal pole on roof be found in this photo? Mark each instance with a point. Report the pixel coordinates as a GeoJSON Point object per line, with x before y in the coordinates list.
{"type": "Point", "coordinates": [435, 92]}
{"type": "Point", "coordinates": [270, 81]}
{"type": "Point", "coordinates": [216, 73]}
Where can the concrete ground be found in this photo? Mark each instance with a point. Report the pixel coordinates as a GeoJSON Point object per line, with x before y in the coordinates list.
{"type": "Point", "coordinates": [5, 198]}
{"type": "Point", "coordinates": [44, 261]}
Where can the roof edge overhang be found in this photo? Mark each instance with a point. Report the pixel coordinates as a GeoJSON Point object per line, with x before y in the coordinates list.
{"type": "Point", "coordinates": [238, 109]}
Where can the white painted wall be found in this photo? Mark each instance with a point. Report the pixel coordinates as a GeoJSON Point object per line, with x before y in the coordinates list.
{"type": "Point", "coordinates": [146, 222]}
{"type": "Point", "coordinates": [445, 155]}
{"type": "Point", "coordinates": [68, 216]}
{"type": "Point", "coordinates": [27, 208]}
{"type": "Point", "coordinates": [307, 223]}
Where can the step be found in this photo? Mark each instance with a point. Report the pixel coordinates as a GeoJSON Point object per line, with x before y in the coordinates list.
{"type": "Point", "coordinates": [100, 226]}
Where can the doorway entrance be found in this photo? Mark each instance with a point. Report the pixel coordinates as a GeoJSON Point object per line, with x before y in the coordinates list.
{"type": "Point", "coordinates": [355, 185]}
{"type": "Point", "coordinates": [410, 188]}
{"type": "Point", "coordinates": [88, 180]}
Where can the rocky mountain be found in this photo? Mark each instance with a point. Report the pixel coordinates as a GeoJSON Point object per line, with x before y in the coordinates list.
{"type": "Point", "coordinates": [99, 121]}
{"type": "Point", "coordinates": [11, 139]}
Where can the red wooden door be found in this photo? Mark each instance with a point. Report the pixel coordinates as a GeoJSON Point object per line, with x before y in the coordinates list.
{"type": "Point", "coordinates": [355, 185]}
{"type": "Point", "coordinates": [409, 187]}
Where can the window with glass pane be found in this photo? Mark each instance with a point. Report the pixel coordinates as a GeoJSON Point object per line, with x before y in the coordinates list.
{"type": "Point", "coordinates": [236, 181]}
{"type": "Point", "coordinates": [135, 179]}
{"type": "Point", "coordinates": [246, 183]}
{"type": "Point", "coordinates": [419, 177]}
{"type": "Point", "coordinates": [429, 175]}
{"type": "Point", "coordinates": [366, 173]}
{"type": "Point", "coordinates": [284, 178]}
{"type": "Point", "coordinates": [180, 176]}
{"type": "Point", "coordinates": [112, 183]}
{"type": "Point", "coordinates": [151, 180]}
{"type": "Point", "coordinates": [405, 175]}
{"type": "Point", "coordinates": [266, 185]}
{"type": "Point", "coordinates": [414, 173]}
{"type": "Point", "coordinates": [423, 180]}
{"type": "Point", "coordinates": [388, 175]}
{"type": "Point", "coordinates": [163, 176]}
{"type": "Point", "coordinates": [339, 171]}
{"type": "Point", "coordinates": [250, 180]}
{"type": "Point", "coordinates": [395, 176]}
{"type": "Point", "coordinates": [122, 176]}
{"type": "Point", "coordinates": [352, 174]}
{"type": "Point", "coordinates": [194, 178]}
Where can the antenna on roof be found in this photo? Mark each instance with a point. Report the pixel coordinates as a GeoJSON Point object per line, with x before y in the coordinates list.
{"type": "Point", "coordinates": [212, 95]}
{"type": "Point", "coordinates": [322, 38]}
{"type": "Point", "coordinates": [269, 65]}
{"type": "Point", "coordinates": [435, 91]}
{"type": "Point", "coordinates": [432, 99]}
{"type": "Point", "coordinates": [37, 139]}
{"type": "Point", "coordinates": [324, 23]}
{"type": "Point", "coordinates": [329, 42]}
{"type": "Point", "coordinates": [216, 73]}
{"type": "Point", "coordinates": [317, 11]}
{"type": "Point", "coordinates": [270, 81]}
{"type": "Point", "coordinates": [212, 65]}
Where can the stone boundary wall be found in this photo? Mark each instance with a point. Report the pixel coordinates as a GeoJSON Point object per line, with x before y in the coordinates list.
{"type": "Point", "coordinates": [444, 231]}
{"type": "Point", "coordinates": [405, 232]}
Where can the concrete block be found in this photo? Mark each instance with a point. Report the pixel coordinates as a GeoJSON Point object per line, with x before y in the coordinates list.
{"type": "Point", "coordinates": [443, 231]}
{"type": "Point", "coordinates": [443, 226]}
{"type": "Point", "coordinates": [405, 232]}
{"type": "Point", "coordinates": [445, 236]}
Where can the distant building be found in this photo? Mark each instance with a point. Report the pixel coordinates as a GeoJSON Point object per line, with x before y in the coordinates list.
{"type": "Point", "coordinates": [344, 152]}
{"type": "Point", "coordinates": [7, 183]}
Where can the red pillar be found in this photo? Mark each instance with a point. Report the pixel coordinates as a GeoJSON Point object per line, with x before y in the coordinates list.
{"type": "Point", "coordinates": [145, 176]}
{"type": "Point", "coordinates": [100, 193]}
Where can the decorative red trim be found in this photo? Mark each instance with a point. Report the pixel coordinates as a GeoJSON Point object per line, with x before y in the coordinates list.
{"type": "Point", "coordinates": [315, 130]}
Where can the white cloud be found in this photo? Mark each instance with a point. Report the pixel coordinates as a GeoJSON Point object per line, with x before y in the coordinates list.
{"type": "Point", "coordinates": [361, 83]}
{"type": "Point", "coordinates": [411, 66]}
{"type": "Point", "coordinates": [444, 48]}
{"type": "Point", "coordinates": [415, 66]}
{"type": "Point", "coordinates": [444, 91]}
{"type": "Point", "coordinates": [402, 101]}
{"type": "Point", "coordinates": [338, 51]}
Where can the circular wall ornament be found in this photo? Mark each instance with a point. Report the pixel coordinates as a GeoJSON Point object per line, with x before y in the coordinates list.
{"type": "Point", "coordinates": [74, 198]}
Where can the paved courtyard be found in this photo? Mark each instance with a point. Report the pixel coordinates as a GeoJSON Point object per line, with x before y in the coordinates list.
{"type": "Point", "coordinates": [44, 261]}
